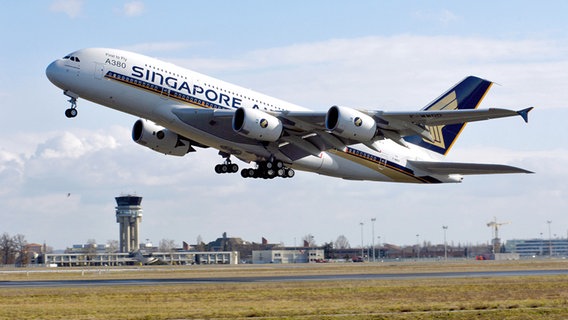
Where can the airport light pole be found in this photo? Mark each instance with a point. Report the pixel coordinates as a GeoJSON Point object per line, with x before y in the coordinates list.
{"type": "Point", "coordinates": [373, 235]}
{"type": "Point", "coordinates": [549, 238]}
{"type": "Point", "coordinates": [445, 243]}
{"type": "Point", "coordinates": [541, 244]}
{"type": "Point", "coordinates": [362, 246]}
{"type": "Point", "coordinates": [418, 246]}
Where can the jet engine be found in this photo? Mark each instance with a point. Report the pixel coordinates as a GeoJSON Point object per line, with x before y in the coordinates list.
{"type": "Point", "coordinates": [350, 123]}
{"type": "Point", "coordinates": [160, 139]}
{"type": "Point", "coordinates": [255, 124]}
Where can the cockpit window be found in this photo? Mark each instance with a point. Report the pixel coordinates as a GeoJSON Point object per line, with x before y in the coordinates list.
{"type": "Point", "coordinates": [72, 58]}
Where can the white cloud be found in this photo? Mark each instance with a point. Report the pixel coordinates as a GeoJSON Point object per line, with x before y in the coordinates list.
{"type": "Point", "coordinates": [69, 145]}
{"type": "Point", "coordinates": [72, 8]}
{"type": "Point", "coordinates": [133, 8]}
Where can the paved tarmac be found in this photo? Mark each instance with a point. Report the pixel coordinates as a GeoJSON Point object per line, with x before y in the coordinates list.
{"type": "Point", "coordinates": [290, 278]}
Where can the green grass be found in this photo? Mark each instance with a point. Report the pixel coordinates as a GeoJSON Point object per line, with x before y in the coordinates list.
{"type": "Point", "coordinates": [538, 297]}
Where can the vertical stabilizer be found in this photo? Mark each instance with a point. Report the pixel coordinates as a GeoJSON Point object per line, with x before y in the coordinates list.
{"type": "Point", "coordinates": [465, 95]}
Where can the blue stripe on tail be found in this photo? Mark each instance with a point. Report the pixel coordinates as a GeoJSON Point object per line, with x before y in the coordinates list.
{"type": "Point", "coordinates": [465, 95]}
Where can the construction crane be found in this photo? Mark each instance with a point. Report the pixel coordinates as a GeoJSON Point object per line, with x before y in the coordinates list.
{"type": "Point", "coordinates": [496, 242]}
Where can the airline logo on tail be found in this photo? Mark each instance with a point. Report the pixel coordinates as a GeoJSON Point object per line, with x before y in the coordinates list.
{"type": "Point", "coordinates": [466, 95]}
{"type": "Point", "coordinates": [449, 102]}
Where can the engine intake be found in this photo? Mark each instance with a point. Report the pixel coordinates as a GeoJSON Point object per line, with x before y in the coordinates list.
{"type": "Point", "coordinates": [255, 124]}
{"type": "Point", "coordinates": [160, 139]}
{"type": "Point", "coordinates": [350, 123]}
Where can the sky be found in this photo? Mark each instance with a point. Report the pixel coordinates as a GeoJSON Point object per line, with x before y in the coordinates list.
{"type": "Point", "coordinates": [383, 55]}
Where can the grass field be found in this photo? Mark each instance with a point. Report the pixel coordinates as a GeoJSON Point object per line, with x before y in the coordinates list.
{"type": "Point", "coordinates": [538, 297]}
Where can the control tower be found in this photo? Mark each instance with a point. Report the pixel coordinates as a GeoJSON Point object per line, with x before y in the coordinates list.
{"type": "Point", "coordinates": [128, 215]}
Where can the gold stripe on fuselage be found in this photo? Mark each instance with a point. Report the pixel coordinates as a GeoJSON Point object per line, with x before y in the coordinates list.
{"type": "Point", "coordinates": [383, 168]}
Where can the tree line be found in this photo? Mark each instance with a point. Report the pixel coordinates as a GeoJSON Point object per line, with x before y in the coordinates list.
{"type": "Point", "coordinates": [13, 249]}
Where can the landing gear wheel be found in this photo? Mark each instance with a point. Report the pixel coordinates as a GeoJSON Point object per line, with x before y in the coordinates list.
{"type": "Point", "coordinates": [71, 113]}
{"type": "Point", "coordinates": [281, 172]}
{"type": "Point", "coordinates": [234, 168]}
{"type": "Point", "coordinates": [289, 173]}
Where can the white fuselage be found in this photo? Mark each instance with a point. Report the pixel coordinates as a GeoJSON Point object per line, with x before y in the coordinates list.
{"type": "Point", "coordinates": [153, 89]}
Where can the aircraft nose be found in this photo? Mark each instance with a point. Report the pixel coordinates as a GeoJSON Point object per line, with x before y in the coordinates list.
{"type": "Point", "coordinates": [55, 73]}
{"type": "Point", "coordinates": [51, 72]}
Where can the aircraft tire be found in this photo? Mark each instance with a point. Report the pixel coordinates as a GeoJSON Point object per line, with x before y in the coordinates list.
{"type": "Point", "coordinates": [252, 173]}
{"type": "Point", "coordinates": [71, 113]}
{"type": "Point", "coordinates": [290, 173]}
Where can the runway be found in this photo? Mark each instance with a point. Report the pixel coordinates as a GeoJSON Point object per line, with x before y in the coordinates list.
{"type": "Point", "coordinates": [285, 278]}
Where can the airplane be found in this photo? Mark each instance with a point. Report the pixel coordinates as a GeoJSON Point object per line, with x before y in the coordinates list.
{"type": "Point", "coordinates": [181, 110]}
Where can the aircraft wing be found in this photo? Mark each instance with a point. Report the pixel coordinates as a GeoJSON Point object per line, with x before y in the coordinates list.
{"type": "Point", "coordinates": [299, 133]}
{"type": "Point", "coordinates": [446, 168]}
{"type": "Point", "coordinates": [393, 125]}
{"type": "Point", "coordinates": [305, 132]}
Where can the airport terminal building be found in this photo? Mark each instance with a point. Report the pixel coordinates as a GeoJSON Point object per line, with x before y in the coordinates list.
{"type": "Point", "coordinates": [538, 247]}
{"type": "Point", "coordinates": [100, 259]}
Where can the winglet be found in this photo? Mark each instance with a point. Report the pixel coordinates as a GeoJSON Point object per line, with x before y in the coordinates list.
{"type": "Point", "coordinates": [525, 113]}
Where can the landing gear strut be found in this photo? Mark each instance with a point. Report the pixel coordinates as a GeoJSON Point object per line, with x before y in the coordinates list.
{"type": "Point", "coordinates": [71, 112]}
{"type": "Point", "coordinates": [268, 170]}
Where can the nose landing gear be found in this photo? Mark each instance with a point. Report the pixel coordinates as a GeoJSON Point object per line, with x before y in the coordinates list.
{"type": "Point", "coordinates": [71, 112]}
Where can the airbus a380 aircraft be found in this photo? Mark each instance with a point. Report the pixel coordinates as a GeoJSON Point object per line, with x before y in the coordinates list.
{"type": "Point", "coordinates": [182, 109]}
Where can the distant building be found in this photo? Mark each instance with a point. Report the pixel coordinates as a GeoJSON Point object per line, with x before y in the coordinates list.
{"type": "Point", "coordinates": [78, 259]}
{"type": "Point", "coordinates": [304, 255]}
{"type": "Point", "coordinates": [538, 247]}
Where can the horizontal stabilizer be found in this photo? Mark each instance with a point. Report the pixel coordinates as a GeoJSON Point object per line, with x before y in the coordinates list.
{"type": "Point", "coordinates": [435, 167]}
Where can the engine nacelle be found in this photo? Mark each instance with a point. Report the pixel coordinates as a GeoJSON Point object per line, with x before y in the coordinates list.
{"type": "Point", "coordinates": [255, 124]}
{"type": "Point", "coordinates": [160, 139]}
{"type": "Point", "coordinates": [350, 123]}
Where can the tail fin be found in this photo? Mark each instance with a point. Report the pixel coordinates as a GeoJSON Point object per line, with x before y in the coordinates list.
{"type": "Point", "coordinates": [465, 95]}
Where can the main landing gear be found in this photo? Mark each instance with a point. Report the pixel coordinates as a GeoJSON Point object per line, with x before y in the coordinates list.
{"type": "Point", "coordinates": [268, 170]}
{"type": "Point", "coordinates": [71, 112]}
{"type": "Point", "coordinates": [226, 167]}
{"type": "Point", "coordinates": [264, 169]}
